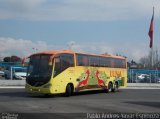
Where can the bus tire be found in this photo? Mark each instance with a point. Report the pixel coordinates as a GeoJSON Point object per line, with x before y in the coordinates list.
{"type": "Point", "coordinates": [68, 92]}
{"type": "Point", "coordinates": [115, 89]}
{"type": "Point", "coordinates": [110, 87]}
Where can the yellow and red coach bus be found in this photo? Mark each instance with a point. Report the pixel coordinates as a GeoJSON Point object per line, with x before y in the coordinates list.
{"type": "Point", "coordinates": [67, 72]}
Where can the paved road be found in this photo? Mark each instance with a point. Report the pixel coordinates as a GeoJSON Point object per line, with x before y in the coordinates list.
{"type": "Point", "coordinates": [125, 101]}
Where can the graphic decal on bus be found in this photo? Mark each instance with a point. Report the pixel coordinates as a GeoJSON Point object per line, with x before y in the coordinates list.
{"type": "Point", "coordinates": [115, 74]}
{"type": "Point", "coordinates": [100, 81]}
{"type": "Point", "coordinates": [85, 81]}
{"type": "Point", "coordinates": [92, 79]}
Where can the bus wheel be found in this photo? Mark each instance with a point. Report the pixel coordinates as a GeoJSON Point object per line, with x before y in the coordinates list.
{"type": "Point", "coordinates": [68, 90]}
{"type": "Point", "coordinates": [115, 89]}
{"type": "Point", "coordinates": [110, 87]}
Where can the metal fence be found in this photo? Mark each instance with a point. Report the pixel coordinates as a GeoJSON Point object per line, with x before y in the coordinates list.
{"type": "Point", "coordinates": [143, 76]}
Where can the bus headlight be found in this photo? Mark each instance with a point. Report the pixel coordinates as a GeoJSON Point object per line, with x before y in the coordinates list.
{"type": "Point", "coordinates": [47, 85]}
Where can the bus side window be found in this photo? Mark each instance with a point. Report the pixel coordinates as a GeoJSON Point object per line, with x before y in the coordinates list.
{"type": "Point", "coordinates": [112, 63]}
{"type": "Point", "coordinates": [79, 60]}
{"type": "Point", "coordinates": [85, 61]}
{"type": "Point", "coordinates": [57, 68]}
{"type": "Point", "coordinates": [102, 62]}
{"type": "Point", "coordinates": [93, 61]}
{"type": "Point", "coordinates": [82, 60]}
{"type": "Point", "coordinates": [105, 62]}
{"type": "Point", "coordinates": [123, 63]}
{"type": "Point", "coordinates": [67, 60]}
{"type": "Point", "coordinates": [63, 62]}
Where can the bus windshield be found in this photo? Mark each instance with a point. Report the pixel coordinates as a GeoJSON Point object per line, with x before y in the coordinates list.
{"type": "Point", "coordinates": [39, 69]}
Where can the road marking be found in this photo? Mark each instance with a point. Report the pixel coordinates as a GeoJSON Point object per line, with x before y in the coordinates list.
{"type": "Point", "coordinates": [142, 88]}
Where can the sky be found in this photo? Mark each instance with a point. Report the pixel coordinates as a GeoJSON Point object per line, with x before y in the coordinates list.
{"type": "Point", "coordinates": [92, 26]}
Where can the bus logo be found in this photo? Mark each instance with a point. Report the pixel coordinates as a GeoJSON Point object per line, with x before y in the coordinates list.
{"type": "Point", "coordinates": [115, 73]}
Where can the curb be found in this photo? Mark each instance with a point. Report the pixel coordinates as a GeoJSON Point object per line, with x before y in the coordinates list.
{"type": "Point", "coordinates": [14, 87]}
{"type": "Point", "coordinates": [142, 88]}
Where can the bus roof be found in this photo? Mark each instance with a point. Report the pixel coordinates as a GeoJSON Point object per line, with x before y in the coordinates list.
{"type": "Point", "coordinates": [53, 52]}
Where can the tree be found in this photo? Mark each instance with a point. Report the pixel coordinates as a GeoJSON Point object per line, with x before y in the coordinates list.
{"type": "Point", "coordinates": [15, 59]}
{"type": "Point", "coordinates": [146, 61]}
{"type": "Point", "coordinates": [12, 59]}
{"type": "Point", "coordinates": [7, 59]}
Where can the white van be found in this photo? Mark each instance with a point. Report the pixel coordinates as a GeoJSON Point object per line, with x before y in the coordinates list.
{"type": "Point", "coordinates": [16, 72]}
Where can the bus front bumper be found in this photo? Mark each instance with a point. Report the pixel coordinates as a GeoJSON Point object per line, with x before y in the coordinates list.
{"type": "Point", "coordinates": [37, 90]}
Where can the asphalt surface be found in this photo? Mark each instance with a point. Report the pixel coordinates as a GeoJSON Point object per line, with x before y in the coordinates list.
{"type": "Point", "coordinates": [125, 101]}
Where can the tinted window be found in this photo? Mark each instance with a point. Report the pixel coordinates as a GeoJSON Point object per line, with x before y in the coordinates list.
{"type": "Point", "coordinates": [98, 61]}
{"type": "Point", "coordinates": [118, 63]}
{"type": "Point", "coordinates": [113, 63]}
{"type": "Point", "coordinates": [93, 61]}
{"type": "Point", "coordinates": [82, 60]}
{"type": "Point", "coordinates": [105, 62]}
{"type": "Point", "coordinates": [67, 60]}
{"type": "Point", "coordinates": [39, 65]}
{"type": "Point", "coordinates": [63, 62]}
{"type": "Point", "coordinates": [123, 63]}
{"type": "Point", "coordinates": [44, 64]}
{"type": "Point", "coordinates": [39, 70]}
